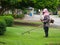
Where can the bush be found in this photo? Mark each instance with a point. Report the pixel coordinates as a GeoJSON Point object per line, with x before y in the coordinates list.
{"type": "Point", "coordinates": [7, 15]}
{"type": "Point", "coordinates": [15, 16]}
{"type": "Point", "coordinates": [2, 26]}
{"type": "Point", "coordinates": [59, 15]}
{"type": "Point", "coordinates": [9, 20]}
{"type": "Point", "coordinates": [24, 11]}
{"type": "Point", "coordinates": [19, 16]}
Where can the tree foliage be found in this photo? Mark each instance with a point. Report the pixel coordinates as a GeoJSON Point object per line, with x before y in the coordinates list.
{"type": "Point", "coordinates": [8, 4]}
{"type": "Point", "coordinates": [40, 4]}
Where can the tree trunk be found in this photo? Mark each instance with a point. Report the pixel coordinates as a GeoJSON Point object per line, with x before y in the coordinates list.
{"type": "Point", "coordinates": [2, 10]}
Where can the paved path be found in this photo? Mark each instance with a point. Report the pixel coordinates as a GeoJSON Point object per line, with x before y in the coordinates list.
{"type": "Point", "coordinates": [37, 18]}
{"type": "Point", "coordinates": [32, 18]}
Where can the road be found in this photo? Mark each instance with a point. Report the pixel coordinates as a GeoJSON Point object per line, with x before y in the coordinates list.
{"type": "Point", "coordinates": [37, 18]}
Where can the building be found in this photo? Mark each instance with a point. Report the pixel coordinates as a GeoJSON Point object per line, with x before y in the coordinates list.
{"type": "Point", "coordinates": [59, 10]}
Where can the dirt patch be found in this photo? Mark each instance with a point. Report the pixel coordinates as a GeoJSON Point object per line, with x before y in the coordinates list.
{"type": "Point", "coordinates": [25, 23]}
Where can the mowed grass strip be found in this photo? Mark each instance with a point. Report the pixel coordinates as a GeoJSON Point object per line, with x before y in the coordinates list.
{"type": "Point", "coordinates": [13, 36]}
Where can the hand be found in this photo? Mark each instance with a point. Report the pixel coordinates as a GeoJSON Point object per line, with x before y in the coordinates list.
{"type": "Point", "coordinates": [41, 19]}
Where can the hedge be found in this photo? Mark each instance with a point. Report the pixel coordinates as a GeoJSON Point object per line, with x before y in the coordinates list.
{"type": "Point", "coordinates": [9, 20]}
{"type": "Point", "coordinates": [4, 22]}
{"type": "Point", "coordinates": [2, 26]}
{"type": "Point", "coordinates": [19, 16]}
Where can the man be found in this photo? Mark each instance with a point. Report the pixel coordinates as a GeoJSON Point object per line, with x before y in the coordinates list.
{"type": "Point", "coordinates": [46, 21]}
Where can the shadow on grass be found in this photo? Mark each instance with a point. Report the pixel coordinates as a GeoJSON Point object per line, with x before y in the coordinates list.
{"type": "Point", "coordinates": [1, 42]}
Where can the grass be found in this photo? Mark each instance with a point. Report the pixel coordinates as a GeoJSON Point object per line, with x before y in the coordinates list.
{"type": "Point", "coordinates": [13, 36]}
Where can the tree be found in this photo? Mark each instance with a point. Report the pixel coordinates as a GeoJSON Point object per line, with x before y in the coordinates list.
{"type": "Point", "coordinates": [39, 4]}
{"type": "Point", "coordinates": [7, 4]}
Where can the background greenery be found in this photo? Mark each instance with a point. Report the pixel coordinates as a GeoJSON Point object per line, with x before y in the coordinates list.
{"type": "Point", "coordinates": [21, 4]}
{"type": "Point", "coordinates": [5, 21]}
{"type": "Point", "coordinates": [2, 26]}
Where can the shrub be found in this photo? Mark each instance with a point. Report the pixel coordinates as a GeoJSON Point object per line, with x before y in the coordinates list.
{"type": "Point", "coordinates": [15, 16]}
{"type": "Point", "coordinates": [18, 16]}
{"type": "Point", "coordinates": [2, 26]}
{"type": "Point", "coordinates": [24, 11]}
{"type": "Point", "coordinates": [21, 15]}
{"type": "Point", "coordinates": [9, 20]}
{"type": "Point", "coordinates": [59, 15]}
{"type": "Point", "coordinates": [7, 15]}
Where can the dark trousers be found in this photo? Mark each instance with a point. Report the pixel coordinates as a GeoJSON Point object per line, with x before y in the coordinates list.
{"type": "Point", "coordinates": [46, 29]}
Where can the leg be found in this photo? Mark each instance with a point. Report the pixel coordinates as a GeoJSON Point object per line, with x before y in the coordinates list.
{"type": "Point", "coordinates": [46, 31]}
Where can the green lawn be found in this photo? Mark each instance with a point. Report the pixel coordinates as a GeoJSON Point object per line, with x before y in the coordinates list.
{"type": "Point", "coordinates": [13, 36]}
